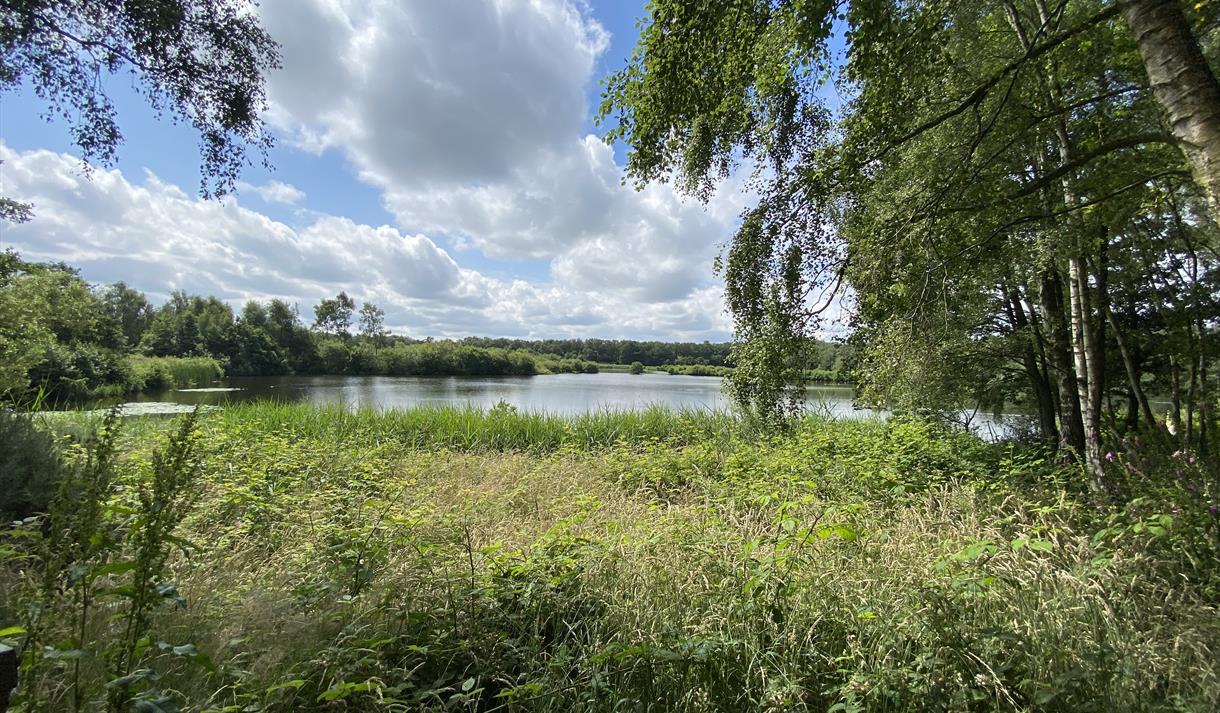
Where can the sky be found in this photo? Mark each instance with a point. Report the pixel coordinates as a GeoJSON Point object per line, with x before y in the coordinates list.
{"type": "Point", "coordinates": [439, 159]}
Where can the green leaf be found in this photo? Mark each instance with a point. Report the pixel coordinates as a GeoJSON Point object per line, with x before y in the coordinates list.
{"type": "Point", "coordinates": [51, 652]}
{"type": "Point", "coordinates": [143, 674]}
{"type": "Point", "coordinates": [115, 568]}
{"type": "Point", "coordinates": [12, 631]}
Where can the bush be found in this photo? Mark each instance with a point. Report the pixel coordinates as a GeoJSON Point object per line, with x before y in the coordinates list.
{"type": "Point", "coordinates": [74, 371]}
{"type": "Point", "coordinates": [637, 367]}
{"type": "Point", "coordinates": [30, 466]}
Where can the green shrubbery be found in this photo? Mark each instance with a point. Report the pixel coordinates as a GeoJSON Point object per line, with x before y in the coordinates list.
{"type": "Point", "coordinates": [30, 466]}
{"type": "Point", "coordinates": [827, 376]}
{"type": "Point", "coordinates": [696, 370]}
{"type": "Point", "coordinates": [443, 559]}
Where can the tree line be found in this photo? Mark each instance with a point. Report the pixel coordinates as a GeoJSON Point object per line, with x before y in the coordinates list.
{"type": "Point", "coordinates": [829, 356]}
{"type": "Point", "coordinates": [68, 339]}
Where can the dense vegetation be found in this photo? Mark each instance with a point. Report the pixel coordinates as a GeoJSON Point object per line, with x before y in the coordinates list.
{"type": "Point", "coordinates": [827, 376]}
{"type": "Point", "coordinates": [828, 356]}
{"type": "Point", "coordinates": [287, 558]}
{"type": "Point", "coordinates": [1015, 198]}
{"type": "Point", "coordinates": [66, 339]}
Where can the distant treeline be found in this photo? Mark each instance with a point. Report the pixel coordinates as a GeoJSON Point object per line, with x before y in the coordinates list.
{"type": "Point", "coordinates": [825, 356]}
{"type": "Point", "coordinates": [826, 376]}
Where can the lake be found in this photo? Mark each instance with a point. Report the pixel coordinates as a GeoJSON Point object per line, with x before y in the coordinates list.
{"type": "Point", "coordinates": [559, 393]}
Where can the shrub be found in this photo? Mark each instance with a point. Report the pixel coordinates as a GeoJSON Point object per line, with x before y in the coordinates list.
{"type": "Point", "coordinates": [637, 367]}
{"type": "Point", "coordinates": [30, 466]}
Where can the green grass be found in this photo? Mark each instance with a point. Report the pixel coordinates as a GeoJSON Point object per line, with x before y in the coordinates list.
{"type": "Point", "coordinates": [446, 559]}
{"type": "Point", "coordinates": [477, 430]}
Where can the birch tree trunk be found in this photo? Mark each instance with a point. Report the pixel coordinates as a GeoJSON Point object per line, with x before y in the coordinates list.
{"type": "Point", "coordinates": [1183, 84]}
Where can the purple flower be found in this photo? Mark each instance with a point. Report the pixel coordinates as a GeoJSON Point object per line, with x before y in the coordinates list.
{"type": "Point", "coordinates": [1110, 456]}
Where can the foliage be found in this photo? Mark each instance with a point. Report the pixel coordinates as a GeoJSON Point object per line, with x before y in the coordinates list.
{"type": "Point", "coordinates": [992, 182]}
{"type": "Point", "coordinates": [129, 309]}
{"type": "Point", "coordinates": [334, 316]}
{"type": "Point", "coordinates": [30, 466]}
{"type": "Point", "coordinates": [157, 373]}
{"type": "Point", "coordinates": [637, 367]}
{"type": "Point", "coordinates": [372, 321]}
{"type": "Point", "coordinates": [73, 342]}
{"type": "Point", "coordinates": [438, 559]}
{"type": "Point", "coordinates": [203, 61]}
{"type": "Point", "coordinates": [92, 571]}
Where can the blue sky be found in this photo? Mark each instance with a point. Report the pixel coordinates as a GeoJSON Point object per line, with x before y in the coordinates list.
{"type": "Point", "coordinates": [438, 159]}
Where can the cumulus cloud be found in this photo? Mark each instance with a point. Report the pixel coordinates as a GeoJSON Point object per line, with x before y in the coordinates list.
{"type": "Point", "coordinates": [427, 92]}
{"type": "Point", "coordinates": [469, 118]}
{"type": "Point", "coordinates": [274, 192]}
{"type": "Point", "coordinates": [157, 238]}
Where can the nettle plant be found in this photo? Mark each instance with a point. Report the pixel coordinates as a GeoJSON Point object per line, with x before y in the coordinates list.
{"type": "Point", "coordinates": [92, 576]}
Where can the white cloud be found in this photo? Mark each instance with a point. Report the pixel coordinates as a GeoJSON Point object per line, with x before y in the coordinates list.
{"type": "Point", "coordinates": [469, 118]}
{"type": "Point", "coordinates": [157, 238]}
{"type": "Point", "coordinates": [274, 192]}
{"type": "Point", "coordinates": [425, 92]}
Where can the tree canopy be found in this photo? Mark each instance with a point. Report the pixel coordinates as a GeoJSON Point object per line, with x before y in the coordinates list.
{"type": "Point", "coordinates": [203, 61]}
{"type": "Point", "coordinates": [989, 184]}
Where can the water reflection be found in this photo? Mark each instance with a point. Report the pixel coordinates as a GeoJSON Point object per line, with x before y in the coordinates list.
{"type": "Point", "coordinates": [561, 393]}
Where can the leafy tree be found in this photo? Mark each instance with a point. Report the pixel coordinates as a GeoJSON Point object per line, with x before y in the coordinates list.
{"type": "Point", "coordinates": [129, 309]}
{"type": "Point", "coordinates": [282, 319]}
{"type": "Point", "coordinates": [203, 61]}
{"type": "Point", "coordinates": [54, 330]}
{"type": "Point", "coordinates": [334, 316]}
{"type": "Point", "coordinates": [637, 367]}
{"type": "Point", "coordinates": [254, 314]}
{"type": "Point", "coordinates": [972, 190]}
{"type": "Point", "coordinates": [191, 326]}
{"type": "Point", "coordinates": [372, 321]}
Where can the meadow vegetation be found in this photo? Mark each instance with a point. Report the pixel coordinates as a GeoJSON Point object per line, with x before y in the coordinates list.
{"type": "Point", "coordinates": [283, 558]}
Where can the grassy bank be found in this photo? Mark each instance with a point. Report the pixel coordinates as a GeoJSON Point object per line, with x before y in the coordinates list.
{"type": "Point", "coordinates": [459, 560]}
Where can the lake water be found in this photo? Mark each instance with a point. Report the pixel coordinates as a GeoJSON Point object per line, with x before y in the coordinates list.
{"type": "Point", "coordinates": [560, 393]}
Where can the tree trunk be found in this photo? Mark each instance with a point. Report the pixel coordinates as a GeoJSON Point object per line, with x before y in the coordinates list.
{"type": "Point", "coordinates": [1037, 377]}
{"type": "Point", "coordinates": [1132, 419]}
{"type": "Point", "coordinates": [1175, 396]}
{"type": "Point", "coordinates": [1085, 346]}
{"type": "Point", "coordinates": [1087, 375]}
{"type": "Point", "coordinates": [1071, 427]}
{"type": "Point", "coordinates": [1183, 84]}
{"type": "Point", "coordinates": [1133, 377]}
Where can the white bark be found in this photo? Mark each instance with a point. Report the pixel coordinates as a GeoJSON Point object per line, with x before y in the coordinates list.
{"type": "Point", "coordinates": [1183, 84]}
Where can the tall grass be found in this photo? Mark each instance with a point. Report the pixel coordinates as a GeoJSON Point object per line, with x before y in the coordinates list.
{"type": "Point", "coordinates": [479, 430]}
{"type": "Point", "coordinates": [449, 559]}
{"type": "Point", "coordinates": [153, 373]}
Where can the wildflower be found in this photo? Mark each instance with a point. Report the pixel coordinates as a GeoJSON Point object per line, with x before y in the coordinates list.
{"type": "Point", "coordinates": [1109, 456]}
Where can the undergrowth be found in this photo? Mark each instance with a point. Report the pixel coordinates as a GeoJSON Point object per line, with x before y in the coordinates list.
{"type": "Point", "coordinates": [318, 559]}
